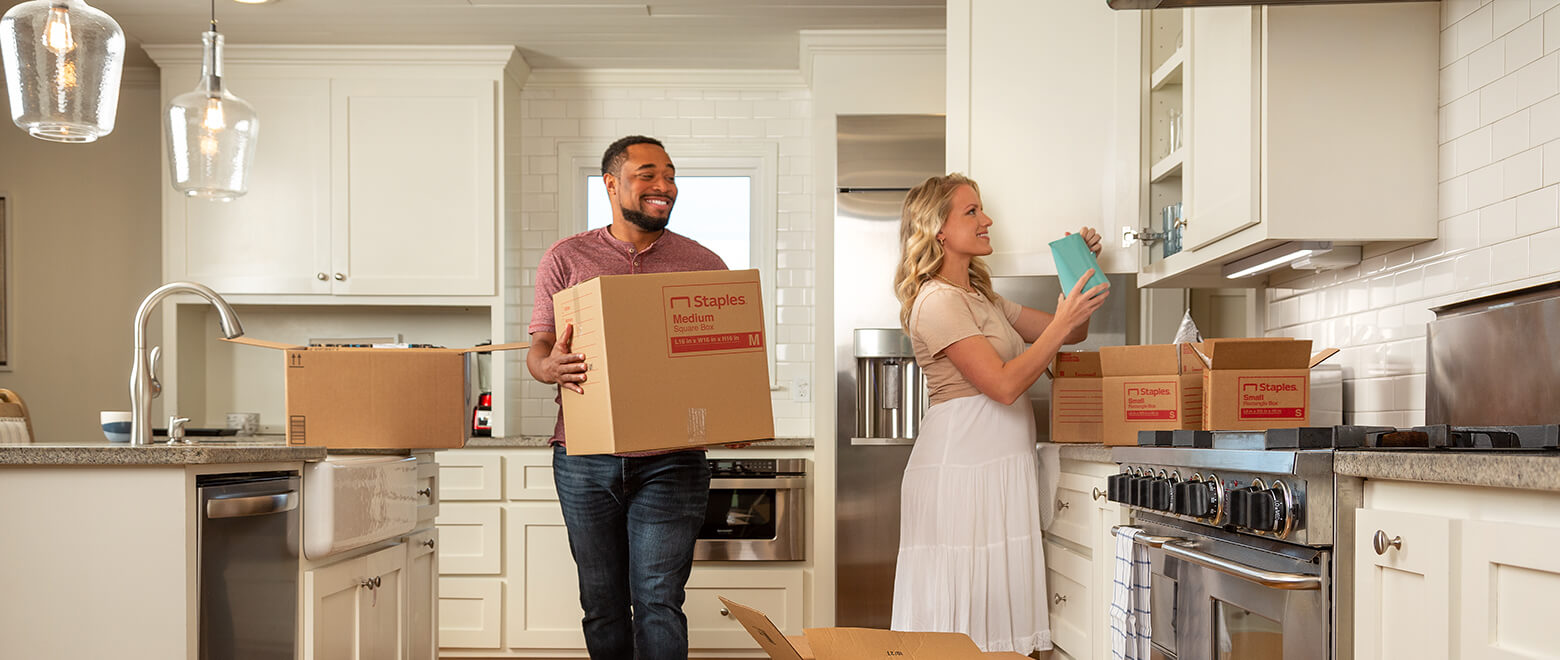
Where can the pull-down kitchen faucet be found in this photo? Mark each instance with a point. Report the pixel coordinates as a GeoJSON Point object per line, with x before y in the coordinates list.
{"type": "Point", "coordinates": [141, 366]}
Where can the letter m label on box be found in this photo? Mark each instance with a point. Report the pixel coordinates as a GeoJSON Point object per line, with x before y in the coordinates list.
{"type": "Point", "coordinates": [713, 319]}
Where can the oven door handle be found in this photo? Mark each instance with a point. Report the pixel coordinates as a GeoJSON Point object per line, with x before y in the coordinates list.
{"type": "Point", "coordinates": [760, 483]}
{"type": "Point", "coordinates": [1182, 549]}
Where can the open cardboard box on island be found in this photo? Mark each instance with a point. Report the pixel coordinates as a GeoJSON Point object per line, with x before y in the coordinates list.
{"type": "Point", "coordinates": [856, 643]}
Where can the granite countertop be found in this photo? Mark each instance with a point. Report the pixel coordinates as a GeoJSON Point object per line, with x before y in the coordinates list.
{"type": "Point", "coordinates": [1526, 470]}
{"type": "Point", "coordinates": [542, 440]}
{"type": "Point", "coordinates": [102, 452]}
{"type": "Point", "coordinates": [1081, 451]}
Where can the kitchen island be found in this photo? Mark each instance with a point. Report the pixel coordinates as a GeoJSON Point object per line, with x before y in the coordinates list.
{"type": "Point", "coordinates": [103, 555]}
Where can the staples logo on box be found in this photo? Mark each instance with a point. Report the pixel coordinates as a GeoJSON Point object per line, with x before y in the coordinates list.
{"type": "Point", "coordinates": [1272, 398]}
{"type": "Point", "coordinates": [714, 318]}
{"type": "Point", "coordinates": [1151, 401]}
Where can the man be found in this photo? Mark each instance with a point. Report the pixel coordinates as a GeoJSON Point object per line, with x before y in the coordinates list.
{"type": "Point", "coordinates": [632, 518]}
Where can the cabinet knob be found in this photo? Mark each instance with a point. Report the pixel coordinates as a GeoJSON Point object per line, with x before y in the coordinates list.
{"type": "Point", "coordinates": [340, 277]}
{"type": "Point", "coordinates": [724, 612]}
{"type": "Point", "coordinates": [1381, 542]}
{"type": "Point", "coordinates": [1058, 599]}
{"type": "Point", "coordinates": [321, 276]}
{"type": "Point", "coordinates": [1061, 504]}
{"type": "Point", "coordinates": [1098, 494]}
{"type": "Point", "coordinates": [429, 543]}
{"type": "Point", "coordinates": [425, 492]}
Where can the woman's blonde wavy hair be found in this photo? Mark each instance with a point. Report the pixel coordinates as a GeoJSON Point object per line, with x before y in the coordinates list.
{"type": "Point", "coordinates": [920, 254]}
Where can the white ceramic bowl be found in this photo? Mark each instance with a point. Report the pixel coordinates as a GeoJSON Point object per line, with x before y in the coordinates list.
{"type": "Point", "coordinates": [116, 425]}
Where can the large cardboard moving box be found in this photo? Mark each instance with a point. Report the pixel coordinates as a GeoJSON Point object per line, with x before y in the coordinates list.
{"type": "Point", "coordinates": [1258, 384]}
{"type": "Point", "coordinates": [857, 643]}
{"type": "Point", "coordinates": [1077, 404]}
{"type": "Point", "coordinates": [676, 360]}
{"type": "Point", "coordinates": [378, 398]}
{"type": "Point", "coordinates": [1154, 387]}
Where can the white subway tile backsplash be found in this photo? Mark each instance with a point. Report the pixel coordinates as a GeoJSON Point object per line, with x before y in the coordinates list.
{"type": "Point", "coordinates": [1460, 233]}
{"type": "Point", "coordinates": [1439, 277]}
{"type": "Point", "coordinates": [709, 128]}
{"type": "Point", "coordinates": [1522, 173]}
{"type": "Point", "coordinates": [673, 128]}
{"type": "Point", "coordinates": [772, 109]}
{"type": "Point", "coordinates": [734, 109]}
{"type": "Point", "coordinates": [561, 127]}
{"type": "Point", "coordinates": [1544, 252]}
{"type": "Point", "coordinates": [1473, 32]}
{"type": "Point", "coordinates": [1508, 15]}
{"type": "Point", "coordinates": [1486, 65]}
{"type": "Point", "coordinates": [1509, 261]}
{"type": "Point", "coordinates": [1537, 8]}
{"type": "Point", "coordinates": [1537, 81]}
{"type": "Point", "coordinates": [745, 128]}
{"type": "Point", "coordinates": [1456, 10]}
{"type": "Point", "coordinates": [581, 108]}
{"type": "Point", "coordinates": [1453, 196]}
{"type": "Point", "coordinates": [621, 107]}
{"type": "Point", "coordinates": [1455, 81]}
{"type": "Point", "coordinates": [1536, 211]}
{"type": "Point", "coordinates": [1472, 270]}
{"type": "Point", "coordinates": [1552, 163]}
{"type": "Point", "coordinates": [1485, 186]}
{"type": "Point", "coordinates": [1551, 31]}
{"type": "Point", "coordinates": [1499, 98]}
{"type": "Point", "coordinates": [659, 109]}
{"type": "Point", "coordinates": [1410, 392]}
{"type": "Point", "coordinates": [544, 108]}
{"type": "Point", "coordinates": [700, 109]}
{"type": "Point", "coordinates": [1508, 136]}
{"type": "Point", "coordinates": [1474, 150]}
{"type": "Point", "coordinates": [1375, 394]}
{"type": "Point", "coordinates": [1544, 121]}
{"type": "Point", "coordinates": [1524, 44]}
{"type": "Point", "coordinates": [605, 128]}
{"type": "Point", "coordinates": [1498, 222]}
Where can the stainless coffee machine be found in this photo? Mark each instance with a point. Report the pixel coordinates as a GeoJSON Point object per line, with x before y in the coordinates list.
{"type": "Point", "coordinates": [890, 391]}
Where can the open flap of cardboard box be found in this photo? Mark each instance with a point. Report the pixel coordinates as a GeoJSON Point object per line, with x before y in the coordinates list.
{"type": "Point", "coordinates": [856, 643]}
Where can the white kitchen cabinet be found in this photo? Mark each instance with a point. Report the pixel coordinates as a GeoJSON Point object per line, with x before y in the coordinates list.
{"type": "Point", "coordinates": [1301, 123]}
{"type": "Point", "coordinates": [422, 595]}
{"type": "Point", "coordinates": [353, 609]}
{"type": "Point", "coordinates": [1080, 559]}
{"type": "Point", "coordinates": [514, 592]}
{"type": "Point", "coordinates": [1466, 572]}
{"type": "Point", "coordinates": [374, 176]}
{"type": "Point", "coordinates": [1401, 596]}
{"type": "Point", "coordinates": [1043, 113]}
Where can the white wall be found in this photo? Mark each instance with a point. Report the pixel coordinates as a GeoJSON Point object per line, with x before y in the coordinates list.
{"type": "Point", "coordinates": [83, 249]}
{"type": "Point", "coordinates": [712, 108]}
{"type": "Point", "coordinates": [1499, 211]}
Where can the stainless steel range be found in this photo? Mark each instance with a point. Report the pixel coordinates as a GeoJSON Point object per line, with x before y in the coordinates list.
{"type": "Point", "coordinates": [1244, 535]}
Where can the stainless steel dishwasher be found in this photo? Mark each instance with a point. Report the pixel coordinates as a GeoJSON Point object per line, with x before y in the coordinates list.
{"type": "Point", "coordinates": [248, 549]}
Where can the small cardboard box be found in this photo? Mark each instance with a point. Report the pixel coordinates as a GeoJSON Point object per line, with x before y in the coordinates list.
{"type": "Point", "coordinates": [1077, 404]}
{"type": "Point", "coordinates": [1257, 384]}
{"type": "Point", "coordinates": [856, 643]}
{"type": "Point", "coordinates": [676, 360]}
{"type": "Point", "coordinates": [378, 398]}
{"type": "Point", "coordinates": [1154, 387]}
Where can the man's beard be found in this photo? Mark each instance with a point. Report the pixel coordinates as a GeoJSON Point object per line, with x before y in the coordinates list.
{"type": "Point", "coordinates": [644, 222]}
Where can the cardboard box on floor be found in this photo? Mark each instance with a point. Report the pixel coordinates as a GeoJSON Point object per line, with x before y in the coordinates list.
{"type": "Point", "coordinates": [378, 398]}
{"type": "Point", "coordinates": [1258, 383]}
{"type": "Point", "coordinates": [676, 360]}
{"type": "Point", "coordinates": [856, 643]}
{"type": "Point", "coordinates": [1077, 413]}
{"type": "Point", "coordinates": [1154, 387]}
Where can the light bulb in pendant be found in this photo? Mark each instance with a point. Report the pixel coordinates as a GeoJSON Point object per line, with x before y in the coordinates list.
{"type": "Point", "coordinates": [56, 34]}
{"type": "Point", "coordinates": [212, 118]}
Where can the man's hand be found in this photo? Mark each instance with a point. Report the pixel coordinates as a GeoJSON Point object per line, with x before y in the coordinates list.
{"type": "Point", "coordinates": [559, 365]}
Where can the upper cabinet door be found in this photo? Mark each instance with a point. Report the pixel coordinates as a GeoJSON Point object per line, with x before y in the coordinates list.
{"type": "Point", "coordinates": [1224, 113]}
{"type": "Point", "coordinates": [1043, 113]}
{"type": "Point", "coordinates": [276, 238]}
{"type": "Point", "coordinates": [416, 205]}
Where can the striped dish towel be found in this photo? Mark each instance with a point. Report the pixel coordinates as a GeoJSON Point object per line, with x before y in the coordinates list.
{"type": "Point", "coordinates": [1129, 609]}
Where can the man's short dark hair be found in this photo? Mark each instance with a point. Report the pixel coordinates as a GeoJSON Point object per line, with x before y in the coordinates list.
{"type": "Point", "coordinates": [612, 160]}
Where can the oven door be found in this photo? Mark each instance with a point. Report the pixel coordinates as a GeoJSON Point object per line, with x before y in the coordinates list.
{"type": "Point", "coordinates": [753, 519]}
{"type": "Point", "coordinates": [1217, 599]}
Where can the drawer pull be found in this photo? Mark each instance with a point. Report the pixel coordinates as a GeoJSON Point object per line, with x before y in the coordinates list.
{"type": "Point", "coordinates": [1098, 494]}
{"type": "Point", "coordinates": [1381, 542]}
{"type": "Point", "coordinates": [725, 612]}
{"type": "Point", "coordinates": [1058, 599]}
{"type": "Point", "coordinates": [425, 492]}
{"type": "Point", "coordinates": [1061, 504]}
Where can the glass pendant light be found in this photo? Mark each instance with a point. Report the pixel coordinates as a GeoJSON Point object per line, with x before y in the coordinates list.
{"type": "Point", "coordinates": [63, 61]}
{"type": "Point", "coordinates": [211, 132]}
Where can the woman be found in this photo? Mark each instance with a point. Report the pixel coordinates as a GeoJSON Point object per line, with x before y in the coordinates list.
{"type": "Point", "coordinates": [970, 556]}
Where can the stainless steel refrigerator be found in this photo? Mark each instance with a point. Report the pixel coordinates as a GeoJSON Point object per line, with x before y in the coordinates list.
{"type": "Point", "coordinates": [879, 159]}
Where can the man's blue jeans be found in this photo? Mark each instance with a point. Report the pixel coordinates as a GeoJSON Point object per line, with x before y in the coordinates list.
{"type": "Point", "coordinates": [632, 523]}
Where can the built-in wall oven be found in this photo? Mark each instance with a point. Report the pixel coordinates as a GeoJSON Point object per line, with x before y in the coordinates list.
{"type": "Point", "coordinates": [755, 512]}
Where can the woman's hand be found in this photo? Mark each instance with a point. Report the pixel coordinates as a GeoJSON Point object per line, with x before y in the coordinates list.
{"type": "Point", "coordinates": [1090, 237]}
{"type": "Point", "coordinates": [1074, 308]}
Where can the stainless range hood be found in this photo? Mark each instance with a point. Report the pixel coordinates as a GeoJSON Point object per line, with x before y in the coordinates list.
{"type": "Point", "coordinates": [1171, 4]}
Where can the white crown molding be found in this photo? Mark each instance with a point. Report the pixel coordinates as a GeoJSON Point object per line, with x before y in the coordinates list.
{"type": "Point", "coordinates": [694, 78]}
{"type": "Point", "coordinates": [816, 42]}
{"type": "Point", "coordinates": [166, 54]}
{"type": "Point", "coordinates": [149, 76]}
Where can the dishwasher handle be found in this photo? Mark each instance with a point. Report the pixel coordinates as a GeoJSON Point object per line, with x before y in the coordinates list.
{"type": "Point", "coordinates": [252, 505]}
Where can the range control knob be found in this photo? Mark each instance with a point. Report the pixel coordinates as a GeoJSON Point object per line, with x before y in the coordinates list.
{"type": "Point", "coordinates": [1257, 508]}
{"type": "Point", "coordinates": [1139, 492]}
{"type": "Point", "coordinates": [1116, 486]}
{"type": "Point", "coordinates": [1159, 491]}
{"type": "Point", "coordinates": [1239, 507]}
{"type": "Point", "coordinates": [1195, 499]}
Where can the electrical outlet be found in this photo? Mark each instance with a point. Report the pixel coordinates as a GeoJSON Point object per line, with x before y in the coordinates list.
{"type": "Point", "coordinates": [801, 390]}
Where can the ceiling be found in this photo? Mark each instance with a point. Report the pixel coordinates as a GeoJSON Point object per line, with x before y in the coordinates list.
{"type": "Point", "coordinates": [556, 34]}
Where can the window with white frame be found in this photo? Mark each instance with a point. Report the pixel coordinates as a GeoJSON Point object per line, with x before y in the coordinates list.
{"type": "Point", "coordinates": [725, 200]}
